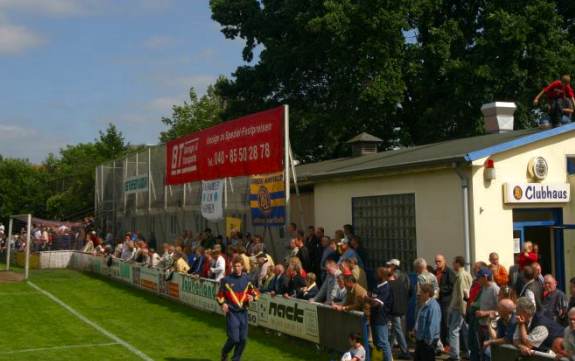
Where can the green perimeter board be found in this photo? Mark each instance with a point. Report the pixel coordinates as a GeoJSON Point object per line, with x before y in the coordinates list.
{"type": "Point", "coordinates": [162, 329]}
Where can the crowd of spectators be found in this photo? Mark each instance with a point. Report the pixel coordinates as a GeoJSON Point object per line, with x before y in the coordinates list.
{"type": "Point", "coordinates": [459, 313]}
{"type": "Point", "coordinates": [50, 236]}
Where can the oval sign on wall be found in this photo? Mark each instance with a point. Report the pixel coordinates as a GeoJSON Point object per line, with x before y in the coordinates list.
{"type": "Point", "coordinates": [538, 168]}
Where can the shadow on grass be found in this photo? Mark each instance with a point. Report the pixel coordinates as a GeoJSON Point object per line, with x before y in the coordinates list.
{"type": "Point", "coordinates": [290, 345]}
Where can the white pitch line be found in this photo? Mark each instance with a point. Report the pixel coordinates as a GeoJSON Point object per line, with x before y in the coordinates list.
{"type": "Point", "coordinates": [102, 330]}
{"type": "Point", "coordinates": [66, 347]}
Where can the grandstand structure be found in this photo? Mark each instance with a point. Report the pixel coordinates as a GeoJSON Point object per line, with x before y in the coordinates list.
{"type": "Point", "coordinates": [134, 194]}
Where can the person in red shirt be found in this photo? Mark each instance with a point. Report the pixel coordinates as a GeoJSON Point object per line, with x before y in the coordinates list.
{"type": "Point", "coordinates": [560, 99]}
{"type": "Point", "coordinates": [528, 256]}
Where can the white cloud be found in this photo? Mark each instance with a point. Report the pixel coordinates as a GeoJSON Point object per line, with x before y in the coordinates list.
{"type": "Point", "coordinates": [199, 81]}
{"type": "Point", "coordinates": [45, 7]}
{"type": "Point", "coordinates": [159, 42]}
{"type": "Point", "coordinates": [30, 143]}
{"type": "Point", "coordinates": [16, 39]}
{"type": "Point", "coordinates": [8, 132]}
{"type": "Point", "coordinates": [164, 104]}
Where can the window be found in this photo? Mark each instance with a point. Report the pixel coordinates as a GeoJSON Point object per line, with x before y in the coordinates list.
{"type": "Point", "coordinates": [571, 165]}
{"type": "Point", "coordinates": [386, 225]}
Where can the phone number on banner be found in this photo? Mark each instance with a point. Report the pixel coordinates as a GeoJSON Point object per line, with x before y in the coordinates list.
{"type": "Point", "coordinates": [239, 155]}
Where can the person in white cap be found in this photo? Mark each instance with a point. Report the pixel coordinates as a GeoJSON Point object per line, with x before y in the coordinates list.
{"type": "Point", "coordinates": [400, 287]}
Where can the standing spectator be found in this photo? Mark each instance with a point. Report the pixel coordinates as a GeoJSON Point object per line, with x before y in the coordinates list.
{"type": "Point", "coordinates": [264, 263]}
{"type": "Point", "coordinates": [279, 283]}
{"type": "Point", "coordinates": [180, 264]}
{"type": "Point", "coordinates": [355, 243]}
{"type": "Point", "coordinates": [292, 230]}
{"type": "Point", "coordinates": [256, 246]}
{"type": "Point", "coordinates": [400, 287]}
{"type": "Point", "coordinates": [500, 275]}
{"type": "Point", "coordinates": [347, 252]}
{"type": "Point", "coordinates": [153, 258]}
{"type": "Point", "coordinates": [351, 265]}
{"type": "Point", "coordinates": [312, 243]}
{"type": "Point", "coordinates": [355, 297]}
{"type": "Point", "coordinates": [532, 289]}
{"type": "Point", "coordinates": [341, 292]}
{"type": "Point", "coordinates": [527, 256]}
{"type": "Point", "coordinates": [296, 280]}
{"type": "Point", "coordinates": [329, 252]}
{"type": "Point", "coordinates": [329, 288]}
{"type": "Point", "coordinates": [424, 277]}
{"type": "Point", "coordinates": [198, 261]}
{"type": "Point", "coordinates": [569, 336]}
{"type": "Point", "coordinates": [458, 306]}
{"type": "Point", "coordinates": [427, 324]}
{"type": "Point", "coordinates": [381, 306]}
{"type": "Point", "coordinates": [554, 301]}
{"type": "Point", "coordinates": [218, 266]}
{"type": "Point", "coordinates": [445, 279]}
{"type": "Point", "coordinates": [534, 332]}
{"type": "Point", "coordinates": [303, 252]}
{"type": "Point", "coordinates": [506, 324]}
{"type": "Point", "coordinates": [487, 303]}
{"type": "Point", "coordinates": [292, 250]}
{"type": "Point", "coordinates": [538, 273]}
{"type": "Point", "coordinates": [348, 232]}
{"type": "Point", "coordinates": [515, 274]}
{"type": "Point", "coordinates": [310, 290]}
{"type": "Point", "coordinates": [572, 292]}
{"type": "Point", "coordinates": [245, 259]}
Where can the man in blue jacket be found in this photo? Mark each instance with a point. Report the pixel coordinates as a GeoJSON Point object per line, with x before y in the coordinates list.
{"type": "Point", "coordinates": [234, 296]}
{"type": "Point", "coordinates": [427, 325]}
{"type": "Point", "coordinates": [381, 306]}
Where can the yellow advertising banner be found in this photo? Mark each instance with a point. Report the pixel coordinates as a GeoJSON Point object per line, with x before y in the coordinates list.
{"type": "Point", "coordinates": [233, 223]}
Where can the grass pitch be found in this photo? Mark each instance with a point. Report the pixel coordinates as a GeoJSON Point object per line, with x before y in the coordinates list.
{"type": "Point", "coordinates": [36, 328]}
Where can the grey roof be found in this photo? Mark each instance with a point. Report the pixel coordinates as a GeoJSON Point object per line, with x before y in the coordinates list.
{"type": "Point", "coordinates": [458, 150]}
{"type": "Point", "coordinates": [364, 137]}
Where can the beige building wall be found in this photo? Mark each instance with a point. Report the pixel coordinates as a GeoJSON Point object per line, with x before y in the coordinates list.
{"type": "Point", "coordinates": [493, 220]}
{"type": "Point", "coordinates": [302, 209]}
{"type": "Point", "coordinates": [438, 203]}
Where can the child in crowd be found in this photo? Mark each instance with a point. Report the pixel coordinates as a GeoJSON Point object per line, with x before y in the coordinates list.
{"type": "Point", "coordinates": [357, 351]}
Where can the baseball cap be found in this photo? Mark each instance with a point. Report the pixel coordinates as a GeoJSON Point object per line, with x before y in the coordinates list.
{"type": "Point", "coordinates": [343, 241]}
{"type": "Point", "coordinates": [395, 262]}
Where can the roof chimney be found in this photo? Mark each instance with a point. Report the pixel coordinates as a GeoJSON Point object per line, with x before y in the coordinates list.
{"type": "Point", "coordinates": [364, 144]}
{"type": "Point", "coordinates": [498, 116]}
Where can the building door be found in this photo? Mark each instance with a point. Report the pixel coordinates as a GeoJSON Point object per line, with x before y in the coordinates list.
{"type": "Point", "coordinates": [543, 227]}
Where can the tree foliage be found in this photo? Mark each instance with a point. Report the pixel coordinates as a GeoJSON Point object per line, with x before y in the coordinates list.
{"type": "Point", "coordinates": [424, 66]}
{"type": "Point", "coordinates": [197, 114]}
{"type": "Point", "coordinates": [62, 187]}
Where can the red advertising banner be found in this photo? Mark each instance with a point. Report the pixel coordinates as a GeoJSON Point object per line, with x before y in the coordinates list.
{"type": "Point", "coordinates": [253, 144]}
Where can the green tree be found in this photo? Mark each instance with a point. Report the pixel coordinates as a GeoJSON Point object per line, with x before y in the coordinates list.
{"type": "Point", "coordinates": [197, 114]}
{"type": "Point", "coordinates": [425, 66]}
{"type": "Point", "coordinates": [22, 190]}
{"type": "Point", "coordinates": [337, 63]}
{"type": "Point", "coordinates": [467, 53]}
{"type": "Point", "coordinates": [111, 143]}
{"type": "Point", "coordinates": [70, 176]}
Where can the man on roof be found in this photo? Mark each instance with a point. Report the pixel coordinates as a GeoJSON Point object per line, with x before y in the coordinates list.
{"type": "Point", "coordinates": [560, 97]}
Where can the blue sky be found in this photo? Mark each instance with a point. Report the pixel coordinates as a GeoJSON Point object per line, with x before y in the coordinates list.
{"type": "Point", "coordinates": [70, 67]}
